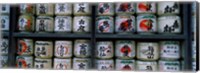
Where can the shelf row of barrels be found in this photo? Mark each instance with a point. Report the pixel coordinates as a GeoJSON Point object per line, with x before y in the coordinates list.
{"type": "Point", "coordinates": [113, 18]}
{"type": "Point", "coordinates": [58, 18]}
{"type": "Point", "coordinates": [76, 54]}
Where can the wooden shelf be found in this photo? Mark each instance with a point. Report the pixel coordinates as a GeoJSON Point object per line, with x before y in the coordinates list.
{"type": "Point", "coordinates": [5, 34]}
{"type": "Point", "coordinates": [141, 36]}
{"type": "Point", "coordinates": [51, 35]}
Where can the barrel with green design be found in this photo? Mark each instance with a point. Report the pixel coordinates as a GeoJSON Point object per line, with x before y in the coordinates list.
{"type": "Point", "coordinates": [26, 23]}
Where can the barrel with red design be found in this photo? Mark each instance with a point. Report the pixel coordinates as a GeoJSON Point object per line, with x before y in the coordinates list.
{"type": "Point", "coordinates": [146, 7]}
{"type": "Point", "coordinates": [25, 47]}
{"type": "Point", "coordinates": [146, 23]}
{"type": "Point", "coordinates": [125, 49]}
{"type": "Point", "coordinates": [27, 8]}
{"type": "Point", "coordinates": [24, 62]}
{"type": "Point", "coordinates": [124, 8]}
{"type": "Point", "coordinates": [63, 49]}
{"type": "Point", "coordinates": [125, 24]}
{"type": "Point", "coordinates": [122, 64]}
{"type": "Point", "coordinates": [104, 24]}
{"type": "Point", "coordinates": [105, 9]}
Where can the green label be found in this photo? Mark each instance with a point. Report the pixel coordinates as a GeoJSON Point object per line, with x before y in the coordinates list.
{"type": "Point", "coordinates": [126, 61]}
{"type": "Point", "coordinates": [103, 18]}
{"type": "Point", "coordinates": [148, 16]}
